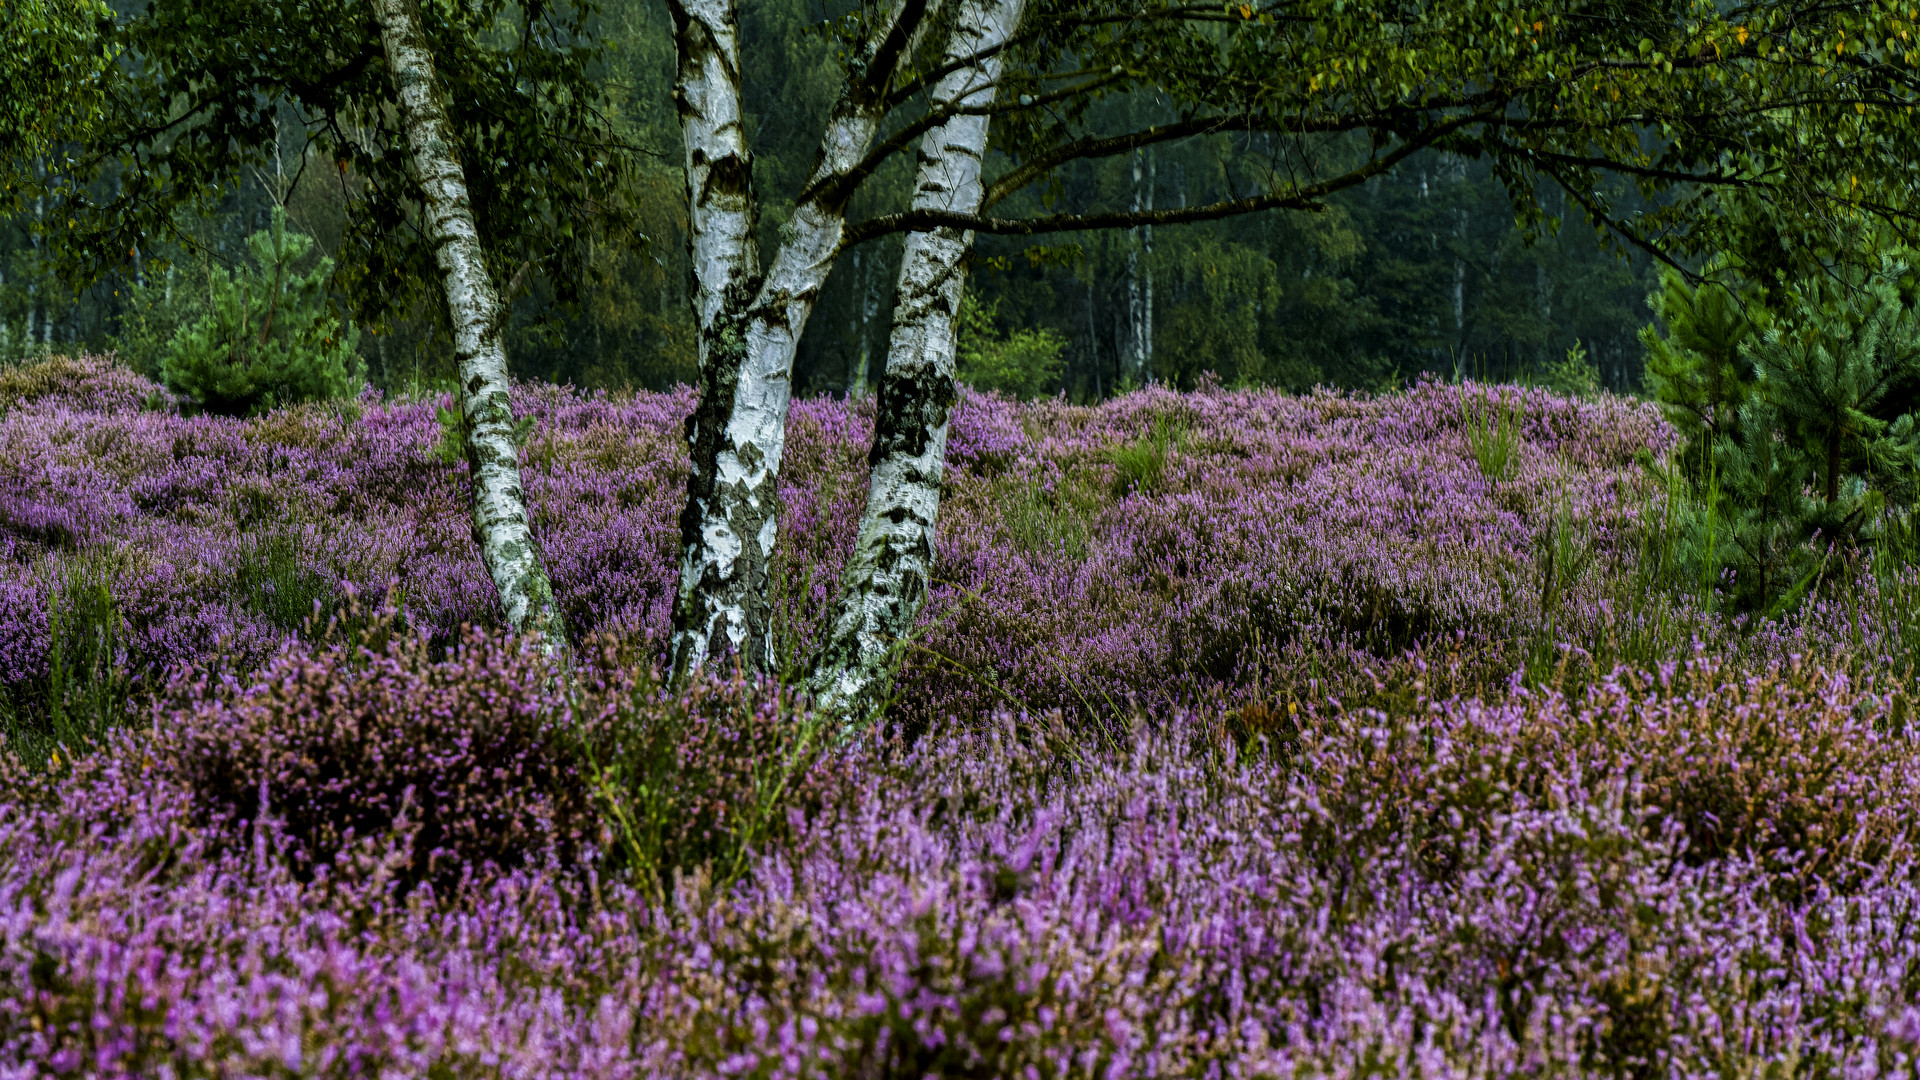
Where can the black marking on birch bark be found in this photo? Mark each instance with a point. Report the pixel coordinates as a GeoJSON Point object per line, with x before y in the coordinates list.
{"type": "Point", "coordinates": [728, 175]}
{"type": "Point", "coordinates": [752, 507]}
{"type": "Point", "coordinates": [913, 401]}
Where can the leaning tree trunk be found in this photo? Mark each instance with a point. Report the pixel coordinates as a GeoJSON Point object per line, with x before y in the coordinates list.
{"type": "Point", "coordinates": [499, 503]}
{"type": "Point", "coordinates": [886, 581]}
{"type": "Point", "coordinates": [738, 434]}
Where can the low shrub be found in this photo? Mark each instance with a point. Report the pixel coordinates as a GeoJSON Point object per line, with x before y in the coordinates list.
{"type": "Point", "coordinates": [697, 780]}
{"type": "Point", "coordinates": [1594, 886]}
{"type": "Point", "coordinates": [468, 754]}
{"type": "Point", "coordinates": [92, 383]}
{"type": "Point", "coordinates": [63, 683]}
{"type": "Point", "coordinates": [482, 758]}
{"type": "Point", "coordinates": [1805, 773]}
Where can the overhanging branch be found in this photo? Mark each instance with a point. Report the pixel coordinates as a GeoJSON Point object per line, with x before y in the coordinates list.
{"type": "Point", "coordinates": [1294, 198]}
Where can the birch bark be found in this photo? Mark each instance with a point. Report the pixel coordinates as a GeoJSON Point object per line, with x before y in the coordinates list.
{"type": "Point", "coordinates": [886, 581]}
{"type": "Point", "coordinates": [499, 508]}
{"type": "Point", "coordinates": [1139, 354]}
{"type": "Point", "coordinates": [721, 217]}
{"type": "Point", "coordinates": [738, 434]}
{"type": "Point", "coordinates": [720, 204]}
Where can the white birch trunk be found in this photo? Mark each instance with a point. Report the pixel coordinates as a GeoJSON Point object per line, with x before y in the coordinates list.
{"type": "Point", "coordinates": [886, 581]}
{"type": "Point", "coordinates": [720, 203]}
{"type": "Point", "coordinates": [1139, 354]}
{"type": "Point", "coordinates": [723, 252]}
{"type": "Point", "coordinates": [730, 525]}
{"type": "Point", "coordinates": [499, 508]}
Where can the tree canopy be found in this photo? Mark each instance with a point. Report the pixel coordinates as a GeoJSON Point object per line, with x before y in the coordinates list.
{"type": "Point", "coordinates": [1406, 139]}
{"type": "Point", "coordinates": [206, 90]}
{"type": "Point", "coordinates": [53, 54]}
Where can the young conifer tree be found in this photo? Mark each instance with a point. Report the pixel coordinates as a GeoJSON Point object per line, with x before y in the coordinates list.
{"type": "Point", "coordinates": [1799, 438]}
{"type": "Point", "coordinates": [1695, 370]}
{"type": "Point", "coordinates": [268, 338]}
{"type": "Point", "coordinates": [1828, 370]}
{"type": "Point", "coordinates": [1757, 526]}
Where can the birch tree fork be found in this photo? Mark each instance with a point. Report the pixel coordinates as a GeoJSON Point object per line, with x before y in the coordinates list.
{"type": "Point", "coordinates": [886, 580]}
{"type": "Point", "coordinates": [500, 526]}
{"type": "Point", "coordinates": [737, 434]}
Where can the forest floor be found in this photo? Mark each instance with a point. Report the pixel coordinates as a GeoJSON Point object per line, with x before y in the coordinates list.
{"type": "Point", "coordinates": [1246, 734]}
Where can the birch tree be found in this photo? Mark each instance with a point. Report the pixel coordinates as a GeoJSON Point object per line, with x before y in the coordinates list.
{"type": "Point", "coordinates": [751, 324]}
{"type": "Point", "coordinates": [1555, 95]}
{"type": "Point", "coordinates": [498, 503]}
{"type": "Point", "coordinates": [463, 138]}
{"type": "Point", "coordinates": [205, 87]}
{"type": "Point", "coordinates": [887, 579]}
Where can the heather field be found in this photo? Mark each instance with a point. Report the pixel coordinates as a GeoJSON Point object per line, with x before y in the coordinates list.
{"type": "Point", "coordinates": [1245, 734]}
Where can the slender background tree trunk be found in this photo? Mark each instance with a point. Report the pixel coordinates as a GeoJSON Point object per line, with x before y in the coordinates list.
{"type": "Point", "coordinates": [499, 503]}
{"type": "Point", "coordinates": [886, 581]}
{"type": "Point", "coordinates": [1139, 354]}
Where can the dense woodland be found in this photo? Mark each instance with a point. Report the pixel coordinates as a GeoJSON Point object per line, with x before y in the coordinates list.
{"type": "Point", "coordinates": [1423, 269]}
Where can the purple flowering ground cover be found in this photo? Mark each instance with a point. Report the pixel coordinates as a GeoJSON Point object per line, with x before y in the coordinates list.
{"type": "Point", "coordinates": [1163, 548]}
{"type": "Point", "coordinates": [1248, 735]}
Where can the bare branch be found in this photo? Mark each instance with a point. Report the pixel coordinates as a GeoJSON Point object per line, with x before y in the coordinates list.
{"type": "Point", "coordinates": [1294, 198]}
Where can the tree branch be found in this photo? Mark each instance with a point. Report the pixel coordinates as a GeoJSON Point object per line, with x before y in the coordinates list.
{"type": "Point", "coordinates": [1296, 198]}
{"type": "Point", "coordinates": [843, 184]}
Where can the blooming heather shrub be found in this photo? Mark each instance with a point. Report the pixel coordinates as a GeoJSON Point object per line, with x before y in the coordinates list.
{"type": "Point", "coordinates": [467, 755]}
{"type": "Point", "coordinates": [91, 383]}
{"type": "Point", "coordinates": [1799, 770]}
{"type": "Point", "coordinates": [1284, 540]}
{"type": "Point", "coordinates": [1289, 549]}
{"type": "Point", "coordinates": [480, 758]}
{"type": "Point", "coordinates": [991, 900]}
{"type": "Point", "coordinates": [1701, 869]}
{"type": "Point", "coordinates": [1279, 541]}
{"type": "Point", "coordinates": [695, 780]}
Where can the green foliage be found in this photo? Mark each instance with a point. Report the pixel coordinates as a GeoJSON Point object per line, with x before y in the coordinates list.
{"type": "Point", "coordinates": [1758, 515]}
{"type": "Point", "coordinates": [1828, 368]}
{"type": "Point", "coordinates": [1566, 553]}
{"type": "Point", "coordinates": [279, 579]}
{"type": "Point", "coordinates": [1224, 289]}
{"type": "Point", "coordinates": [1493, 423]}
{"type": "Point", "coordinates": [451, 447]}
{"type": "Point", "coordinates": [695, 782]}
{"type": "Point", "coordinates": [1141, 465]}
{"type": "Point", "coordinates": [547, 175]}
{"type": "Point", "coordinates": [267, 338]}
{"type": "Point", "coordinates": [54, 55]}
{"type": "Point", "coordinates": [1460, 247]}
{"type": "Point", "coordinates": [1800, 439]}
{"type": "Point", "coordinates": [155, 312]}
{"type": "Point", "coordinates": [85, 690]}
{"type": "Point", "coordinates": [1575, 375]}
{"type": "Point", "coordinates": [1051, 515]}
{"type": "Point", "coordinates": [1696, 370]}
{"type": "Point", "coordinates": [1022, 364]}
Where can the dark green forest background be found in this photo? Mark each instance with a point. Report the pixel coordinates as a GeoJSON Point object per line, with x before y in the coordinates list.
{"type": "Point", "coordinates": [1421, 270]}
